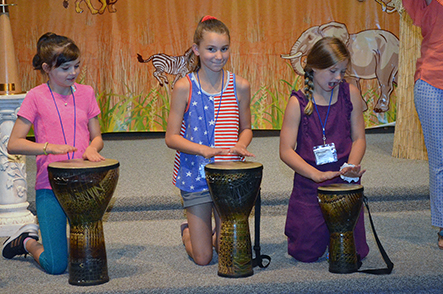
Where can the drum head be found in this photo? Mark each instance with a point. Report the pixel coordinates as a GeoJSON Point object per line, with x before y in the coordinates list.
{"type": "Point", "coordinates": [340, 188]}
{"type": "Point", "coordinates": [233, 165]}
{"type": "Point", "coordinates": [80, 164]}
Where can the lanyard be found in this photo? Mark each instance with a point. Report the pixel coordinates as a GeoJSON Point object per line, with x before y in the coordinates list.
{"type": "Point", "coordinates": [327, 114]}
{"type": "Point", "coordinates": [60, 118]}
{"type": "Point", "coordinates": [210, 136]}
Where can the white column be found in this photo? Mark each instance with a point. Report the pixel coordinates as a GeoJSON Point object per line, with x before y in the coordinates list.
{"type": "Point", "coordinates": [13, 186]}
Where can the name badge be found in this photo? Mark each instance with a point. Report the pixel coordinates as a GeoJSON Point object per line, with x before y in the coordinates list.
{"type": "Point", "coordinates": [325, 154]}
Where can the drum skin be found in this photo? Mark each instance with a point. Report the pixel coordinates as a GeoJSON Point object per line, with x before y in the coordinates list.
{"type": "Point", "coordinates": [84, 190]}
{"type": "Point", "coordinates": [234, 188]}
{"type": "Point", "coordinates": [341, 205]}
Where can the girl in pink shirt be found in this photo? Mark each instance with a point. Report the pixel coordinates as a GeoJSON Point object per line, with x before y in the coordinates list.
{"type": "Point", "coordinates": [64, 116]}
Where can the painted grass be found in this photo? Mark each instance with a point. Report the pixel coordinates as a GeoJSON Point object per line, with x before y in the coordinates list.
{"type": "Point", "coordinates": [269, 103]}
{"type": "Point", "coordinates": [373, 119]}
{"type": "Point", "coordinates": [133, 112]}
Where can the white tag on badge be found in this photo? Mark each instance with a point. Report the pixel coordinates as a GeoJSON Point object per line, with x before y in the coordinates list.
{"type": "Point", "coordinates": [325, 154]}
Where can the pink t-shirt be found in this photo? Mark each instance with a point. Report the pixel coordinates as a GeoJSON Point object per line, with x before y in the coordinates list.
{"type": "Point", "coordinates": [38, 107]}
{"type": "Point", "coordinates": [430, 19]}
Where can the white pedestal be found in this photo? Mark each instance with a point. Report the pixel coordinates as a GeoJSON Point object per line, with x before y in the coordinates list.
{"type": "Point", "coordinates": [13, 186]}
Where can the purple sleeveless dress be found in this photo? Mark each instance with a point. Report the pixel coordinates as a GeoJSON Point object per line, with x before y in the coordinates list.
{"type": "Point", "coordinates": [308, 235]}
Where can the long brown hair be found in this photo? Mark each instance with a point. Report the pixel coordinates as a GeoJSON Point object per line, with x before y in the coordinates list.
{"type": "Point", "coordinates": [325, 53]}
{"type": "Point", "coordinates": [208, 24]}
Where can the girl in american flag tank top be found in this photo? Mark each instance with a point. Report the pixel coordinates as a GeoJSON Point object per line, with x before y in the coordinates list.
{"type": "Point", "coordinates": [209, 120]}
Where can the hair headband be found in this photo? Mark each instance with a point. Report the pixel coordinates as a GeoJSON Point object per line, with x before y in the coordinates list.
{"type": "Point", "coordinates": [208, 17]}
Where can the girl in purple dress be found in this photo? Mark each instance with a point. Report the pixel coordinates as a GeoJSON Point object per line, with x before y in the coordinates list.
{"type": "Point", "coordinates": [323, 140]}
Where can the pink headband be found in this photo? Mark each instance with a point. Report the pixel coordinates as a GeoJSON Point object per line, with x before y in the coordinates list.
{"type": "Point", "coordinates": [208, 17]}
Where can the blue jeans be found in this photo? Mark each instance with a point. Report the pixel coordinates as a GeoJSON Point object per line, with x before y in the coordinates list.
{"type": "Point", "coordinates": [52, 221]}
{"type": "Point", "coordinates": [429, 105]}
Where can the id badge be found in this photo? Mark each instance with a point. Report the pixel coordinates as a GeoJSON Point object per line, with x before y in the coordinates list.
{"type": "Point", "coordinates": [325, 154]}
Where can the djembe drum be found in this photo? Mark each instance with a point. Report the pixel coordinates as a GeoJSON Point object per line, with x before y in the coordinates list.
{"type": "Point", "coordinates": [234, 187]}
{"type": "Point", "coordinates": [341, 205]}
{"type": "Point", "coordinates": [84, 189]}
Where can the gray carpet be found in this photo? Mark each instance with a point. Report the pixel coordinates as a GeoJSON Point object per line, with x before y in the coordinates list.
{"type": "Point", "coordinates": [145, 254]}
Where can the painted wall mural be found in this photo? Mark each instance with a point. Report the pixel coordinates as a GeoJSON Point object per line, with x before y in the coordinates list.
{"type": "Point", "coordinates": [104, 4]}
{"type": "Point", "coordinates": [374, 55]}
{"type": "Point", "coordinates": [133, 51]}
{"type": "Point", "coordinates": [390, 6]}
{"type": "Point", "coordinates": [173, 65]}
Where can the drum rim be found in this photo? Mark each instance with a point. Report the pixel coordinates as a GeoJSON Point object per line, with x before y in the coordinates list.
{"type": "Point", "coordinates": [73, 165]}
{"type": "Point", "coordinates": [224, 165]}
{"type": "Point", "coordinates": [349, 187]}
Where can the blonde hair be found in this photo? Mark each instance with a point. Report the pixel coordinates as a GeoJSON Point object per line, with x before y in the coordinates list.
{"type": "Point", "coordinates": [325, 53]}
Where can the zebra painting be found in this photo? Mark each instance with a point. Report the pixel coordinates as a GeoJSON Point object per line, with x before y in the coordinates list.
{"type": "Point", "coordinates": [173, 65]}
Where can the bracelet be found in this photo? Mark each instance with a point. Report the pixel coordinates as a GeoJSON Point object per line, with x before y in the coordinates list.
{"type": "Point", "coordinates": [44, 148]}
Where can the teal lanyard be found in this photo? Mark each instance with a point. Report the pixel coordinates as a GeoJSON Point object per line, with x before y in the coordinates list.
{"type": "Point", "coordinates": [326, 119]}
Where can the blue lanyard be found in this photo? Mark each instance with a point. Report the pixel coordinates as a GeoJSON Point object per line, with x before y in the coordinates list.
{"type": "Point", "coordinates": [60, 118]}
{"type": "Point", "coordinates": [327, 114]}
{"type": "Point", "coordinates": [210, 136]}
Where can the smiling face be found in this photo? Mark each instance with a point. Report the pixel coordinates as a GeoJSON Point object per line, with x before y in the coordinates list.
{"type": "Point", "coordinates": [327, 79]}
{"type": "Point", "coordinates": [213, 50]}
{"type": "Point", "coordinates": [63, 77]}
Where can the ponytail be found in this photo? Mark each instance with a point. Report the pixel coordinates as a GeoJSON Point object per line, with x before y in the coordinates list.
{"type": "Point", "coordinates": [309, 90]}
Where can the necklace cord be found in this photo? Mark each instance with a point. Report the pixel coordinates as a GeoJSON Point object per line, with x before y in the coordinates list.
{"type": "Point", "coordinates": [60, 118]}
{"type": "Point", "coordinates": [219, 105]}
{"type": "Point", "coordinates": [326, 119]}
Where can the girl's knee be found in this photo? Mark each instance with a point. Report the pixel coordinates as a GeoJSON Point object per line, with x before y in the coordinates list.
{"type": "Point", "coordinates": [57, 269]}
{"type": "Point", "coordinates": [55, 266]}
{"type": "Point", "coordinates": [202, 258]}
{"type": "Point", "coordinates": [304, 254]}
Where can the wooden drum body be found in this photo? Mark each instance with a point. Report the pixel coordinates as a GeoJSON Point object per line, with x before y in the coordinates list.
{"type": "Point", "coordinates": [341, 205]}
{"type": "Point", "coordinates": [84, 189]}
{"type": "Point", "coordinates": [234, 187]}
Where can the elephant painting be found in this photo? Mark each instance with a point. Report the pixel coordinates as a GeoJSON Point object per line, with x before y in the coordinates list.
{"type": "Point", "coordinates": [374, 55]}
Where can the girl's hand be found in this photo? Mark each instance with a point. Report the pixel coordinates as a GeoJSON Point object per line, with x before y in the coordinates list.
{"type": "Point", "coordinates": [59, 149]}
{"type": "Point", "coordinates": [352, 171]}
{"type": "Point", "coordinates": [92, 154]}
{"type": "Point", "coordinates": [208, 152]}
{"type": "Point", "coordinates": [320, 176]}
{"type": "Point", "coordinates": [240, 150]}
